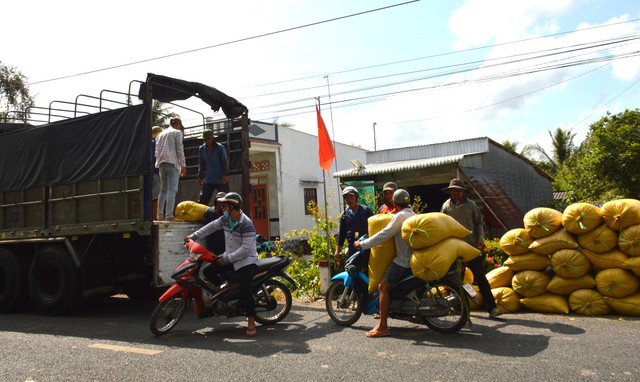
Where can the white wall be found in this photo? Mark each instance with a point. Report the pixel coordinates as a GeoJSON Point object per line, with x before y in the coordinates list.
{"type": "Point", "coordinates": [298, 161]}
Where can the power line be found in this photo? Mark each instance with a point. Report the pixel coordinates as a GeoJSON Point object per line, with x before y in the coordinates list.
{"type": "Point", "coordinates": [226, 43]}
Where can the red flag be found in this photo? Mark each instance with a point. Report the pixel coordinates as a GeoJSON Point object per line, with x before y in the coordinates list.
{"type": "Point", "coordinates": [325, 147]}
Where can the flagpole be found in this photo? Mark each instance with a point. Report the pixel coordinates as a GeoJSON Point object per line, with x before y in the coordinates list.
{"type": "Point", "coordinates": [326, 210]}
{"type": "Point", "coordinates": [334, 136]}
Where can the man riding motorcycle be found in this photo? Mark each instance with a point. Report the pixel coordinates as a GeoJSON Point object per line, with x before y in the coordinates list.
{"type": "Point", "coordinates": [400, 267]}
{"type": "Point", "coordinates": [240, 256]}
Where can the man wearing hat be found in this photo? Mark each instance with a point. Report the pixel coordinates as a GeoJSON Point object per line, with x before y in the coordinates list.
{"type": "Point", "coordinates": [467, 213]}
{"type": "Point", "coordinates": [389, 206]}
{"type": "Point", "coordinates": [213, 167]}
{"type": "Point", "coordinates": [171, 162]}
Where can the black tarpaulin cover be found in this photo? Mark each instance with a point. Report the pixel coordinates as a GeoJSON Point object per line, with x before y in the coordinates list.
{"type": "Point", "coordinates": [167, 89]}
{"type": "Point", "coordinates": [105, 145]}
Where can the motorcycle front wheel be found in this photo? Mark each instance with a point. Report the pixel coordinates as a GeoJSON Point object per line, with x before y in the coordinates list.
{"type": "Point", "coordinates": [274, 305]}
{"type": "Point", "coordinates": [167, 315]}
{"type": "Point", "coordinates": [344, 304]}
{"type": "Point", "coordinates": [447, 297]}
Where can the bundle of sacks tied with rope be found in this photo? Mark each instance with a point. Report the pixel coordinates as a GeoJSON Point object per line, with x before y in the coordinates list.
{"type": "Point", "coordinates": [585, 260]}
{"type": "Point", "coordinates": [436, 239]}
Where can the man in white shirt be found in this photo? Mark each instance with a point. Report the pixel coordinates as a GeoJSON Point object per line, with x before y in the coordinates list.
{"type": "Point", "coordinates": [171, 162]}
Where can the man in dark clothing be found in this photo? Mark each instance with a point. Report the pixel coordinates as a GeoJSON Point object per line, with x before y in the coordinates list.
{"type": "Point", "coordinates": [353, 225]}
{"type": "Point", "coordinates": [213, 167]}
{"type": "Point", "coordinates": [215, 241]}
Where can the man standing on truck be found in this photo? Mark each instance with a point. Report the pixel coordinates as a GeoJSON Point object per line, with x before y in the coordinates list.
{"type": "Point", "coordinates": [171, 162]}
{"type": "Point", "coordinates": [213, 167]}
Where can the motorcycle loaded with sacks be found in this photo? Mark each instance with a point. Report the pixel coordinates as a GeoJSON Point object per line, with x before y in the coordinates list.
{"type": "Point", "coordinates": [436, 304]}
{"type": "Point", "coordinates": [272, 297]}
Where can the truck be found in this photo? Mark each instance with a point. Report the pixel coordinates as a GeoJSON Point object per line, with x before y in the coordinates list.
{"type": "Point", "coordinates": [75, 193]}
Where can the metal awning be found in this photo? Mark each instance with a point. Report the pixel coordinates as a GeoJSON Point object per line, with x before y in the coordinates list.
{"type": "Point", "coordinates": [405, 165]}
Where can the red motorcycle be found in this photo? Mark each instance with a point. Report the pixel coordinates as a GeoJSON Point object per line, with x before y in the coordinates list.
{"type": "Point", "coordinates": [272, 297]}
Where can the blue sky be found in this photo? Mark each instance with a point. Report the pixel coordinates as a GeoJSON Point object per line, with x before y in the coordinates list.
{"type": "Point", "coordinates": [424, 71]}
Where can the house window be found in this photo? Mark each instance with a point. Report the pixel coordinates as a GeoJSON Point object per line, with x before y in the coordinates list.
{"type": "Point", "coordinates": [310, 195]}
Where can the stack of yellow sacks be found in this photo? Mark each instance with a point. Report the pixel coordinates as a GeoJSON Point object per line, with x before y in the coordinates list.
{"type": "Point", "coordinates": [585, 260]}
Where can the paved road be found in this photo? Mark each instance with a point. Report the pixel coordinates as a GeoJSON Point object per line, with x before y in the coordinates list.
{"type": "Point", "coordinates": [110, 341]}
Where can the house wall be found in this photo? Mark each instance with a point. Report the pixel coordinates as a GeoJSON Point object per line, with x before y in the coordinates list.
{"type": "Point", "coordinates": [294, 167]}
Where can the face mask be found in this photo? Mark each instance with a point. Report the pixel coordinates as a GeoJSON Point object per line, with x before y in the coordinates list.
{"type": "Point", "coordinates": [226, 214]}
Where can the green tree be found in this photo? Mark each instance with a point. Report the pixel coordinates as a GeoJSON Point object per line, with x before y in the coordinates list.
{"type": "Point", "coordinates": [563, 149]}
{"type": "Point", "coordinates": [14, 94]}
{"type": "Point", "coordinates": [511, 145]}
{"type": "Point", "coordinates": [161, 114]}
{"type": "Point", "coordinates": [607, 163]}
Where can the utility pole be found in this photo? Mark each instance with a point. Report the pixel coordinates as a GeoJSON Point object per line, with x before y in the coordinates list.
{"type": "Point", "coordinates": [374, 136]}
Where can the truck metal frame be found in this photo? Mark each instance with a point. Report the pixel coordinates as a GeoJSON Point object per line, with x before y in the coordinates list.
{"type": "Point", "coordinates": [77, 222]}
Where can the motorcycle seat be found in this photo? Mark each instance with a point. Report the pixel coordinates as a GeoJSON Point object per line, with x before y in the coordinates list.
{"type": "Point", "coordinates": [264, 264]}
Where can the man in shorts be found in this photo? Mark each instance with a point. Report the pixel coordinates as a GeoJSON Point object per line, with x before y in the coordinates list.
{"type": "Point", "coordinates": [400, 267]}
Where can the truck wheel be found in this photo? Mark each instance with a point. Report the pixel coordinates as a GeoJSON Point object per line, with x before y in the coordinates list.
{"type": "Point", "coordinates": [53, 281]}
{"type": "Point", "coordinates": [12, 281]}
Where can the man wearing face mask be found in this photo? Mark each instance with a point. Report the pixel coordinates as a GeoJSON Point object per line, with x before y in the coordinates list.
{"type": "Point", "coordinates": [238, 262]}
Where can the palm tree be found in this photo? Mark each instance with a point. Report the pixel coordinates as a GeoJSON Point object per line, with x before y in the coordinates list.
{"type": "Point", "coordinates": [510, 146]}
{"type": "Point", "coordinates": [563, 148]}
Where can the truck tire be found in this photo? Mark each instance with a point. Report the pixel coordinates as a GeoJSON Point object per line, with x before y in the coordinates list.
{"type": "Point", "coordinates": [54, 282]}
{"type": "Point", "coordinates": [13, 277]}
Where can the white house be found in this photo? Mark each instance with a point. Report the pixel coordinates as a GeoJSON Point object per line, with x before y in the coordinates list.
{"type": "Point", "coordinates": [285, 175]}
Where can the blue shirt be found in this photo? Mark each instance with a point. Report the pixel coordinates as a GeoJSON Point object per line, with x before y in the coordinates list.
{"type": "Point", "coordinates": [212, 164]}
{"type": "Point", "coordinates": [353, 225]}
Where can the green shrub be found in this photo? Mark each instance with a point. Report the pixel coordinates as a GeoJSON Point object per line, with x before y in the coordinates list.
{"type": "Point", "coordinates": [493, 255]}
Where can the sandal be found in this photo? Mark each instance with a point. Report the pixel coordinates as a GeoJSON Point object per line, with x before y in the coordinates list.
{"type": "Point", "coordinates": [376, 333]}
{"type": "Point", "coordinates": [251, 332]}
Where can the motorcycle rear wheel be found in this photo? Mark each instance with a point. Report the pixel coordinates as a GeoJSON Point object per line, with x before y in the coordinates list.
{"type": "Point", "coordinates": [167, 315]}
{"type": "Point", "coordinates": [456, 317]}
{"type": "Point", "coordinates": [344, 304]}
{"type": "Point", "coordinates": [274, 306]}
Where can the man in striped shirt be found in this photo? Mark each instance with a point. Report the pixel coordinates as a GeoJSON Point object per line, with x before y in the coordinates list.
{"type": "Point", "coordinates": [171, 162]}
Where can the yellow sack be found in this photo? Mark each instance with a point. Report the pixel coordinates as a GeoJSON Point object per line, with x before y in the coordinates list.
{"type": "Point", "coordinates": [500, 277]}
{"type": "Point", "coordinates": [612, 259]}
{"type": "Point", "coordinates": [570, 263]}
{"type": "Point", "coordinates": [506, 299]}
{"type": "Point", "coordinates": [528, 261]}
{"type": "Point", "coordinates": [468, 276]}
{"type": "Point", "coordinates": [620, 214]}
{"type": "Point", "coordinates": [617, 283]}
{"type": "Point", "coordinates": [530, 283]}
{"type": "Point", "coordinates": [542, 221]}
{"type": "Point", "coordinates": [561, 239]}
{"type": "Point", "coordinates": [423, 230]}
{"type": "Point", "coordinates": [627, 306]}
{"type": "Point", "coordinates": [562, 286]}
{"type": "Point", "coordinates": [190, 211]}
{"type": "Point", "coordinates": [600, 239]}
{"type": "Point", "coordinates": [629, 240]}
{"type": "Point", "coordinates": [433, 262]}
{"type": "Point", "coordinates": [581, 217]}
{"type": "Point", "coordinates": [546, 303]}
{"type": "Point", "coordinates": [632, 264]}
{"type": "Point", "coordinates": [588, 302]}
{"type": "Point", "coordinates": [381, 255]}
{"type": "Point", "coordinates": [516, 241]}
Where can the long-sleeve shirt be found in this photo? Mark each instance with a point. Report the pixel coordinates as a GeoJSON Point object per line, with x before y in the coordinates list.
{"type": "Point", "coordinates": [353, 225]}
{"type": "Point", "coordinates": [170, 149]}
{"type": "Point", "coordinates": [393, 229]}
{"type": "Point", "coordinates": [212, 163]}
{"type": "Point", "coordinates": [240, 241]}
{"type": "Point", "coordinates": [468, 214]}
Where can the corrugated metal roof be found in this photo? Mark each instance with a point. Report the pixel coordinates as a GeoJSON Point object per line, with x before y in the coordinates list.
{"type": "Point", "coordinates": [384, 168]}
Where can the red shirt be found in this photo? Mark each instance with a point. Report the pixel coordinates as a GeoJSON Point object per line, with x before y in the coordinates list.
{"type": "Point", "coordinates": [386, 210]}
